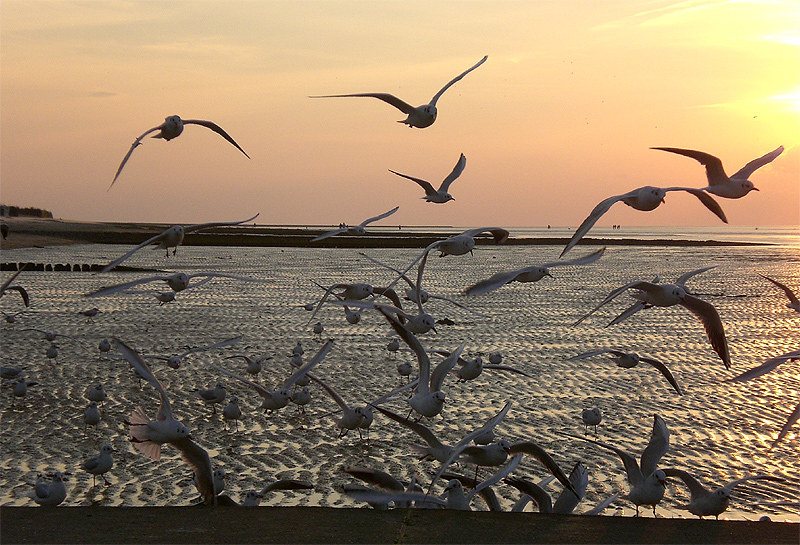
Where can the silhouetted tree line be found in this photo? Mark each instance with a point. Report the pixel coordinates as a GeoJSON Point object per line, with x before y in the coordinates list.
{"type": "Point", "coordinates": [31, 212]}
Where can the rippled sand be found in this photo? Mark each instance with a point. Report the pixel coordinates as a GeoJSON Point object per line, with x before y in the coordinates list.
{"type": "Point", "coordinates": [719, 431]}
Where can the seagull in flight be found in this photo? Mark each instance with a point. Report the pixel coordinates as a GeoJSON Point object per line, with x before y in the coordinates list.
{"type": "Point", "coordinates": [172, 127]}
{"type": "Point", "coordinates": [629, 360]}
{"type": "Point", "coordinates": [645, 198]}
{"type": "Point", "coordinates": [719, 183]}
{"type": "Point", "coordinates": [356, 229]}
{"type": "Point", "coordinates": [533, 273]}
{"type": "Point", "coordinates": [705, 502]}
{"type": "Point", "coordinates": [419, 116]}
{"type": "Point", "coordinates": [172, 238]}
{"type": "Point", "coordinates": [148, 435]}
{"type": "Point", "coordinates": [441, 195]}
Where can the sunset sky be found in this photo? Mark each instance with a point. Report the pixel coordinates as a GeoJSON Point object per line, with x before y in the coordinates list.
{"type": "Point", "coordinates": [561, 116]}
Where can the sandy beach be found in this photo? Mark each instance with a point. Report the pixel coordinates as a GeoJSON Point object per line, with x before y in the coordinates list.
{"type": "Point", "coordinates": [529, 324]}
{"type": "Point", "coordinates": [183, 525]}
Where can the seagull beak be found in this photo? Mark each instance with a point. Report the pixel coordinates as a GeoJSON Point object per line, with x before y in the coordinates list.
{"type": "Point", "coordinates": [755, 189]}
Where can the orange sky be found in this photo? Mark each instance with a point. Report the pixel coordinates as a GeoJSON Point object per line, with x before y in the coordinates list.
{"type": "Point", "coordinates": [560, 117]}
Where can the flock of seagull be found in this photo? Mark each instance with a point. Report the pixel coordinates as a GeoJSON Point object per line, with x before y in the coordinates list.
{"type": "Point", "coordinates": [424, 393]}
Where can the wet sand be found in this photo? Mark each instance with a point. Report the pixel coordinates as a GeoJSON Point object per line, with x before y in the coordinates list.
{"type": "Point", "coordinates": [329, 525]}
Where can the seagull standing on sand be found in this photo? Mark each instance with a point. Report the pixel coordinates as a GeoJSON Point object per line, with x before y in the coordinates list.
{"type": "Point", "coordinates": [591, 417]}
{"type": "Point", "coordinates": [733, 187]}
{"type": "Point", "coordinates": [52, 494]}
{"type": "Point", "coordinates": [212, 396]}
{"type": "Point", "coordinates": [441, 195]}
{"type": "Point", "coordinates": [232, 413]}
{"type": "Point", "coordinates": [148, 435]}
{"type": "Point", "coordinates": [172, 238]}
{"type": "Point", "coordinates": [172, 127]}
{"type": "Point", "coordinates": [648, 482]}
{"type": "Point", "coordinates": [705, 502]}
{"type": "Point", "coordinates": [420, 116]}
{"type": "Point", "coordinates": [100, 464]}
{"type": "Point", "coordinates": [645, 198]}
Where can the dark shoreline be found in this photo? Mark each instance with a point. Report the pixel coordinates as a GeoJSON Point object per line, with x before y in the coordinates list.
{"type": "Point", "coordinates": [341, 525]}
{"type": "Point", "coordinates": [42, 232]}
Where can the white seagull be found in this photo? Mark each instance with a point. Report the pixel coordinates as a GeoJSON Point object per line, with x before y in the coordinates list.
{"type": "Point", "coordinates": [441, 195]}
{"type": "Point", "coordinates": [420, 116]}
{"type": "Point", "coordinates": [100, 464]}
{"type": "Point", "coordinates": [172, 238]}
{"type": "Point", "coordinates": [172, 127]}
{"type": "Point", "coordinates": [176, 282]}
{"type": "Point", "coordinates": [359, 229]}
{"type": "Point", "coordinates": [533, 273]}
{"type": "Point", "coordinates": [648, 482]}
{"type": "Point", "coordinates": [175, 361]}
{"type": "Point", "coordinates": [719, 183]}
{"type": "Point", "coordinates": [645, 198]}
{"type": "Point", "coordinates": [705, 502]}
{"type": "Point", "coordinates": [629, 360]}
{"type": "Point", "coordinates": [50, 494]}
{"type": "Point", "coordinates": [148, 435]}
{"type": "Point", "coordinates": [650, 295]}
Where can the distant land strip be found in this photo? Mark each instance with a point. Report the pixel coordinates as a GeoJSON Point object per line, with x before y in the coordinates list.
{"type": "Point", "coordinates": [33, 233]}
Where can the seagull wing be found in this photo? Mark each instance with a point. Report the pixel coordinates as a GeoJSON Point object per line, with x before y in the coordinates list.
{"type": "Point", "coordinates": [592, 218]}
{"type": "Point", "coordinates": [635, 476]}
{"type": "Point", "coordinates": [455, 79]}
{"type": "Point", "coordinates": [634, 285]}
{"type": "Point", "coordinates": [286, 484]}
{"type": "Point", "coordinates": [197, 458]}
{"type": "Point", "coordinates": [329, 234]}
{"type": "Point", "coordinates": [499, 234]}
{"type": "Point", "coordinates": [136, 143]}
{"type": "Point", "coordinates": [685, 277]}
{"type": "Point", "coordinates": [532, 449]}
{"type": "Point", "coordinates": [664, 371]}
{"type": "Point", "coordinates": [331, 392]}
{"type": "Point", "coordinates": [712, 323]}
{"type": "Point", "coordinates": [429, 189]}
{"type": "Point", "coordinates": [403, 106]}
{"type": "Point", "coordinates": [119, 260]}
{"type": "Point", "coordinates": [789, 293]}
{"type": "Point", "coordinates": [379, 217]}
{"type": "Point", "coordinates": [24, 294]}
{"type": "Point", "coordinates": [306, 367]}
{"type": "Point", "coordinates": [585, 260]}
{"type": "Point", "coordinates": [424, 432]}
{"type": "Point", "coordinates": [505, 368]}
{"type": "Point", "coordinates": [765, 367]}
{"type": "Point", "coordinates": [444, 367]}
{"type": "Point", "coordinates": [457, 170]}
{"type": "Point", "coordinates": [217, 129]}
{"type": "Point", "coordinates": [657, 447]}
{"type": "Point", "coordinates": [695, 487]}
{"type": "Point", "coordinates": [198, 226]}
{"type": "Point", "coordinates": [228, 342]}
{"type": "Point", "coordinates": [714, 171]}
{"type": "Point", "coordinates": [375, 477]}
{"type": "Point", "coordinates": [733, 484]}
{"type": "Point", "coordinates": [707, 200]}
{"type": "Point", "coordinates": [789, 423]}
{"type": "Point", "coordinates": [628, 312]}
{"type": "Point", "coordinates": [755, 164]}
{"type": "Point", "coordinates": [536, 492]}
{"type": "Point", "coordinates": [141, 367]}
{"type": "Point", "coordinates": [413, 343]}
{"type": "Point", "coordinates": [496, 281]}
{"type": "Point", "coordinates": [263, 392]}
{"type": "Point", "coordinates": [496, 476]}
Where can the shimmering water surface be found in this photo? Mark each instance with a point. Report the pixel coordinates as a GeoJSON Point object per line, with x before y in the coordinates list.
{"type": "Point", "coordinates": [719, 431]}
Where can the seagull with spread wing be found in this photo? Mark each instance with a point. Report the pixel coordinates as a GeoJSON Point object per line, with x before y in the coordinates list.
{"type": "Point", "coordinates": [359, 229]}
{"type": "Point", "coordinates": [719, 183]}
{"type": "Point", "coordinates": [172, 127]}
{"type": "Point", "coordinates": [441, 195]}
{"type": "Point", "coordinates": [172, 238]}
{"type": "Point", "coordinates": [419, 116]}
